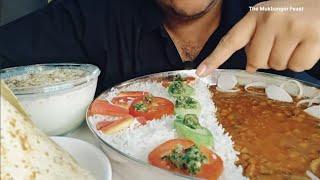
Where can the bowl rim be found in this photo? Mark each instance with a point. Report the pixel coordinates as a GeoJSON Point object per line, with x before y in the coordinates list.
{"type": "Point", "coordinates": [90, 147]}
{"type": "Point", "coordinates": [166, 73]}
{"type": "Point", "coordinates": [92, 73]}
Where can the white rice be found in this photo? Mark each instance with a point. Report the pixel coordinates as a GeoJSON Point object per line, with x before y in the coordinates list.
{"type": "Point", "coordinates": [137, 141]}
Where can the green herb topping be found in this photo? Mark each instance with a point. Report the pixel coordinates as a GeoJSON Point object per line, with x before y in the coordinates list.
{"type": "Point", "coordinates": [186, 102]}
{"type": "Point", "coordinates": [176, 87]}
{"type": "Point", "coordinates": [140, 106]}
{"type": "Point", "coordinates": [190, 159]}
{"type": "Point", "coordinates": [148, 99]}
{"type": "Point", "coordinates": [191, 120]}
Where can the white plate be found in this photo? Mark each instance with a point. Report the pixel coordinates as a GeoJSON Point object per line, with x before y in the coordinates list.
{"type": "Point", "coordinates": [87, 155]}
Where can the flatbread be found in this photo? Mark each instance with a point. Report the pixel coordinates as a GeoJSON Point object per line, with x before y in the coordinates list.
{"type": "Point", "coordinates": [26, 152]}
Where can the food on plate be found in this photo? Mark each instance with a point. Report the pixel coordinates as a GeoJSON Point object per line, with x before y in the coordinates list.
{"type": "Point", "coordinates": [105, 108]}
{"type": "Point", "coordinates": [178, 88]}
{"type": "Point", "coordinates": [186, 105]}
{"type": "Point", "coordinates": [26, 152]}
{"type": "Point", "coordinates": [260, 128]}
{"type": "Point", "coordinates": [126, 106]}
{"type": "Point", "coordinates": [115, 119]}
{"type": "Point", "coordinates": [277, 93]}
{"type": "Point", "coordinates": [276, 139]}
{"type": "Point", "coordinates": [167, 80]}
{"type": "Point", "coordinates": [110, 127]}
{"type": "Point", "coordinates": [54, 88]}
{"type": "Point", "coordinates": [315, 166]}
{"type": "Point", "coordinates": [188, 127]}
{"type": "Point", "coordinates": [125, 98]}
{"type": "Point", "coordinates": [151, 107]}
{"type": "Point", "coordinates": [183, 156]}
{"type": "Point", "coordinates": [313, 111]}
{"type": "Point", "coordinates": [227, 83]}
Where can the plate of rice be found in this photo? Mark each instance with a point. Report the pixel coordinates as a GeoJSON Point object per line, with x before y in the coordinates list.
{"type": "Point", "coordinates": [175, 125]}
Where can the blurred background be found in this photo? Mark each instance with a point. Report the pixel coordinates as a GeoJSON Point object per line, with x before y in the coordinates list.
{"type": "Point", "coordinates": [13, 9]}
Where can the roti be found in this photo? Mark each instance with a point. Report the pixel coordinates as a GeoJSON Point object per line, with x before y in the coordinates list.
{"type": "Point", "coordinates": [26, 152]}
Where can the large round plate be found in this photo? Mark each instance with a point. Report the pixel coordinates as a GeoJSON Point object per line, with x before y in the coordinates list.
{"type": "Point", "coordinates": [142, 170]}
{"type": "Point", "coordinates": [87, 155]}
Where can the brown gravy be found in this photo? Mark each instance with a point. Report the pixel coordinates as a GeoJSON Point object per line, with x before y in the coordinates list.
{"type": "Point", "coordinates": [276, 140]}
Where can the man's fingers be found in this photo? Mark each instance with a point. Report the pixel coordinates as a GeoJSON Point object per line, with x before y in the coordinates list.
{"type": "Point", "coordinates": [305, 56]}
{"type": "Point", "coordinates": [281, 52]}
{"type": "Point", "coordinates": [251, 69]}
{"type": "Point", "coordinates": [259, 48]}
{"type": "Point", "coordinates": [234, 40]}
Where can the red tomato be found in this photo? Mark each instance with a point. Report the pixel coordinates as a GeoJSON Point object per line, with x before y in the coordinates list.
{"type": "Point", "coordinates": [103, 124]}
{"type": "Point", "coordinates": [110, 127]}
{"type": "Point", "coordinates": [155, 109]}
{"type": "Point", "coordinates": [142, 120]}
{"type": "Point", "coordinates": [211, 170]}
{"type": "Point", "coordinates": [112, 120]}
{"type": "Point", "coordinates": [125, 98]}
{"type": "Point", "coordinates": [105, 108]}
{"type": "Point", "coordinates": [123, 102]}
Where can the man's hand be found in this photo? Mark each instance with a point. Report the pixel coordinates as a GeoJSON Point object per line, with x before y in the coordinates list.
{"type": "Point", "coordinates": [277, 40]}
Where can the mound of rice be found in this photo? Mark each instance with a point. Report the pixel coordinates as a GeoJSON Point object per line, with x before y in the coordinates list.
{"type": "Point", "coordinates": [137, 141]}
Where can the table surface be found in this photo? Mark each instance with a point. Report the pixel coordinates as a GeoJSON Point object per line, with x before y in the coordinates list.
{"type": "Point", "coordinates": [85, 134]}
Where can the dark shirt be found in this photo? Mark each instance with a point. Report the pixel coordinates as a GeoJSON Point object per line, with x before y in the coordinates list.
{"type": "Point", "coordinates": [125, 38]}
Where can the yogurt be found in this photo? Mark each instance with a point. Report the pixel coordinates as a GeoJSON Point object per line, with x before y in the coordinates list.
{"type": "Point", "coordinates": [56, 96]}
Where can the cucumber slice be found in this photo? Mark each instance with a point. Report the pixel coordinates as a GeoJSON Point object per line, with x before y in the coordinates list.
{"type": "Point", "coordinates": [187, 105]}
{"type": "Point", "coordinates": [178, 88]}
{"type": "Point", "coordinates": [189, 91]}
{"type": "Point", "coordinates": [183, 112]}
{"type": "Point", "coordinates": [200, 136]}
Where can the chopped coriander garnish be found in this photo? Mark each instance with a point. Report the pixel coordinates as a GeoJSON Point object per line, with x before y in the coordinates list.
{"type": "Point", "coordinates": [191, 120]}
{"type": "Point", "coordinates": [148, 99]}
{"type": "Point", "coordinates": [190, 159]}
{"type": "Point", "coordinates": [140, 106]}
{"type": "Point", "coordinates": [186, 102]}
{"type": "Point", "coordinates": [176, 87]}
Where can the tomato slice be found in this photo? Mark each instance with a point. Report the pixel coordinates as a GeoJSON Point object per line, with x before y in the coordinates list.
{"type": "Point", "coordinates": [103, 124]}
{"type": "Point", "coordinates": [110, 127]}
{"type": "Point", "coordinates": [154, 110]}
{"type": "Point", "coordinates": [123, 102]}
{"type": "Point", "coordinates": [142, 120]}
{"type": "Point", "coordinates": [125, 98]}
{"type": "Point", "coordinates": [105, 108]}
{"type": "Point", "coordinates": [211, 170]}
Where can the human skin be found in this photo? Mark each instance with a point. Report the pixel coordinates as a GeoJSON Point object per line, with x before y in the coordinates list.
{"type": "Point", "coordinates": [288, 40]}
{"type": "Point", "coordinates": [272, 40]}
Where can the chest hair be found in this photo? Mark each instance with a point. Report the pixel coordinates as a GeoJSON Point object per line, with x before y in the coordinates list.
{"type": "Point", "coordinates": [188, 51]}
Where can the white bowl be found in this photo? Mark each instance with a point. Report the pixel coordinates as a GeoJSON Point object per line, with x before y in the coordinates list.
{"type": "Point", "coordinates": [59, 107]}
{"type": "Point", "coordinates": [87, 155]}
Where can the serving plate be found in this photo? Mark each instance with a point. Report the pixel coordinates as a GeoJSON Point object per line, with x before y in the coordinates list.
{"type": "Point", "coordinates": [142, 170]}
{"type": "Point", "coordinates": [87, 155]}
